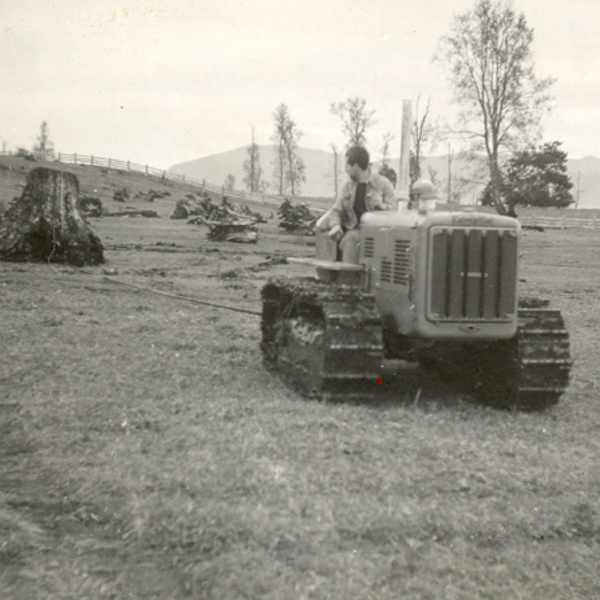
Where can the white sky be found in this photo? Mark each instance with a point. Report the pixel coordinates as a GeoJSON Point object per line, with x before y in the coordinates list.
{"type": "Point", "coordinates": [165, 81]}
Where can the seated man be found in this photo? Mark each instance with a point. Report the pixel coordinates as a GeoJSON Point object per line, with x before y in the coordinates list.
{"type": "Point", "coordinates": [364, 191]}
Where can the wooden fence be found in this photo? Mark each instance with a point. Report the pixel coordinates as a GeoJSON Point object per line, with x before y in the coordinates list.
{"type": "Point", "coordinates": [126, 165]}
{"type": "Point", "coordinates": [562, 222]}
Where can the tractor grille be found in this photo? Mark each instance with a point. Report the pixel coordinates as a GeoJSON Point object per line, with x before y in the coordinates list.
{"type": "Point", "coordinates": [473, 274]}
{"type": "Point", "coordinates": [369, 247]}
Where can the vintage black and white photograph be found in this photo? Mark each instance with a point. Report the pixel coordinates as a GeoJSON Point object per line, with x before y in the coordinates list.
{"type": "Point", "coordinates": [299, 300]}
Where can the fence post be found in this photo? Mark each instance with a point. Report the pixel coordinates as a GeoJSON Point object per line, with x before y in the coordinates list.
{"type": "Point", "coordinates": [146, 169]}
{"type": "Point", "coordinates": [564, 221]}
{"type": "Point", "coordinates": [75, 158]}
{"type": "Point", "coordinates": [92, 160]}
{"type": "Point", "coordinates": [59, 157]}
{"type": "Point", "coordinates": [128, 166]}
{"type": "Point", "coordinates": [109, 162]}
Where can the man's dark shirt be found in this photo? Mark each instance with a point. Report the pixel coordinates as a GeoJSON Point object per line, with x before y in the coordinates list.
{"type": "Point", "coordinates": [360, 205]}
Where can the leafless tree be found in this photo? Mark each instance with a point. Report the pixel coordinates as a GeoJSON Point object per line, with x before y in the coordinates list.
{"type": "Point", "coordinates": [492, 73]}
{"type": "Point", "coordinates": [252, 166]}
{"type": "Point", "coordinates": [421, 133]}
{"type": "Point", "coordinates": [43, 148]}
{"type": "Point", "coordinates": [355, 117]}
{"type": "Point", "coordinates": [229, 183]}
{"type": "Point", "coordinates": [336, 169]}
{"type": "Point", "coordinates": [289, 166]}
{"type": "Point", "coordinates": [388, 137]}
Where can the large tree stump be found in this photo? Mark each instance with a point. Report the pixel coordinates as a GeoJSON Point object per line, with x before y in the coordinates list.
{"type": "Point", "coordinates": [44, 224]}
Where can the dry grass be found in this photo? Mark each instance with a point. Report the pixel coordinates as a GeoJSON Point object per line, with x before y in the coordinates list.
{"type": "Point", "coordinates": [146, 453]}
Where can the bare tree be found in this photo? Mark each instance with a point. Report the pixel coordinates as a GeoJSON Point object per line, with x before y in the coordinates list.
{"type": "Point", "coordinates": [43, 148]}
{"type": "Point", "coordinates": [252, 166]}
{"type": "Point", "coordinates": [295, 173]}
{"type": "Point", "coordinates": [336, 169]}
{"type": "Point", "coordinates": [491, 69]}
{"type": "Point", "coordinates": [385, 169]}
{"type": "Point", "coordinates": [355, 117]}
{"type": "Point", "coordinates": [229, 183]}
{"type": "Point", "coordinates": [289, 166]}
{"type": "Point", "coordinates": [421, 133]}
{"type": "Point", "coordinates": [385, 149]}
{"type": "Point", "coordinates": [280, 116]}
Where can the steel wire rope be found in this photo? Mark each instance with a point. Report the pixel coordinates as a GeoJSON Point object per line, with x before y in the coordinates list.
{"type": "Point", "coordinates": [177, 296]}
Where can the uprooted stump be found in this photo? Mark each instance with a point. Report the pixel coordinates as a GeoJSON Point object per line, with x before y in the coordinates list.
{"type": "Point", "coordinates": [45, 224]}
{"type": "Point", "coordinates": [296, 218]}
{"type": "Point", "coordinates": [190, 206]}
{"type": "Point", "coordinates": [89, 206]}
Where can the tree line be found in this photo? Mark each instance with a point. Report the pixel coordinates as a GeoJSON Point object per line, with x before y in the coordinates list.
{"type": "Point", "coordinates": [490, 67]}
{"type": "Point", "coordinates": [489, 63]}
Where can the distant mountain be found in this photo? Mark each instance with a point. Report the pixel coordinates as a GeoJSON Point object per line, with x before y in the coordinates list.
{"type": "Point", "coordinates": [468, 176]}
{"type": "Point", "coordinates": [215, 168]}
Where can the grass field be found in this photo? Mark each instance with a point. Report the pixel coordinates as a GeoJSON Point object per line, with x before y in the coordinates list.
{"type": "Point", "coordinates": [145, 453]}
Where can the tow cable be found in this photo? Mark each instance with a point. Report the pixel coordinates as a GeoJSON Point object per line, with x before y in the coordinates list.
{"type": "Point", "coordinates": [177, 296]}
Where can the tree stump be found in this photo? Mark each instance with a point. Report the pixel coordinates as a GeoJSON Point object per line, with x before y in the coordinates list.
{"type": "Point", "coordinates": [44, 224]}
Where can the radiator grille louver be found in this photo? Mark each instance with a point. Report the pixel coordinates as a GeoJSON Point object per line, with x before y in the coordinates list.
{"type": "Point", "coordinates": [369, 247]}
{"type": "Point", "coordinates": [401, 261]}
{"type": "Point", "coordinates": [397, 270]}
{"type": "Point", "coordinates": [386, 270]}
{"type": "Point", "coordinates": [473, 274]}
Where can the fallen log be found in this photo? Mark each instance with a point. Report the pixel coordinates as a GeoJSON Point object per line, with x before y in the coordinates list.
{"type": "Point", "coordinates": [240, 232]}
{"type": "Point", "coordinates": [133, 212]}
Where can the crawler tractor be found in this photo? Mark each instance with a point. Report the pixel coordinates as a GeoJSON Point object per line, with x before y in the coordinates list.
{"type": "Point", "coordinates": [431, 287]}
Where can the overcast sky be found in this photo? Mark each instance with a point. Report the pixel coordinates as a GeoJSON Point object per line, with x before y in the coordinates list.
{"type": "Point", "coordinates": [165, 81]}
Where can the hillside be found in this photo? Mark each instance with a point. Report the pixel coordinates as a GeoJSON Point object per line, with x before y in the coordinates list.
{"type": "Point", "coordinates": [140, 189]}
{"type": "Point", "coordinates": [468, 177]}
{"type": "Point", "coordinates": [215, 168]}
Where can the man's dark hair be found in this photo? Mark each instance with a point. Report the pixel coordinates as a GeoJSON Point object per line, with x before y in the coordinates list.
{"type": "Point", "coordinates": [358, 155]}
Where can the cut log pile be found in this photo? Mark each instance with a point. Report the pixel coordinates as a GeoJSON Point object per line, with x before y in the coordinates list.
{"type": "Point", "coordinates": [225, 221]}
{"type": "Point", "coordinates": [45, 224]}
{"type": "Point", "coordinates": [201, 207]}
